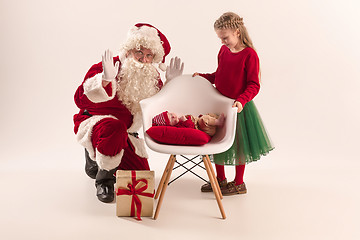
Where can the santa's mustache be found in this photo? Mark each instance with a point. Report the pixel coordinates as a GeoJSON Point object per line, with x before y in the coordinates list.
{"type": "Point", "coordinates": [138, 64]}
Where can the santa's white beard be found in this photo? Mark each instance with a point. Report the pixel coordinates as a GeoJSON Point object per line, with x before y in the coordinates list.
{"type": "Point", "coordinates": [137, 81]}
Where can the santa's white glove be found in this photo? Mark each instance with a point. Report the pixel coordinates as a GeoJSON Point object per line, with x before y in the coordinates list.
{"type": "Point", "coordinates": [175, 69]}
{"type": "Point", "coordinates": [110, 70]}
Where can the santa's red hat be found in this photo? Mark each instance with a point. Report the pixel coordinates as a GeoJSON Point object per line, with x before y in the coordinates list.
{"type": "Point", "coordinates": [148, 36]}
{"type": "Point", "coordinates": [161, 119]}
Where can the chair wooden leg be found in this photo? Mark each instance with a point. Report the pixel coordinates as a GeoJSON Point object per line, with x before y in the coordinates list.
{"type": "Point", "coordinates": [213, 185]}
{"type": "Point", "coordinates": [211, 176]}
{"type": "Point", "coordinates": [216, 188]}
{"type": "Point", "coordinates": [172, 160]}
{"type": "Point", "coordinates": [213, 173]}
{"type": "Point", "coordinates": [161, 184]}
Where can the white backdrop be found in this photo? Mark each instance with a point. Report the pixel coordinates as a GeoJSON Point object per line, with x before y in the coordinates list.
{"type": "Point", "coordinates": [309, 57]}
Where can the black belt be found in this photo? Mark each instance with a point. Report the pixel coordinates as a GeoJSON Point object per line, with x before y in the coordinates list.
{"type": "Point", "coordinates": [86, 113]}
{"type": "Point", "coordinates": [135, 134]}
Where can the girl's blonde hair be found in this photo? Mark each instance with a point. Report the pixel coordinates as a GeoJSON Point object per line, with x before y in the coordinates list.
{"type": "Point", "coordinates": [230, 20]}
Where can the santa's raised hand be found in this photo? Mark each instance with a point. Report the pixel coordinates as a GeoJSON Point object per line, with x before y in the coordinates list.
{"type": "Point", "coordinates": [110, 70]}
{"type": "Point", "coordinates": [175, 69]}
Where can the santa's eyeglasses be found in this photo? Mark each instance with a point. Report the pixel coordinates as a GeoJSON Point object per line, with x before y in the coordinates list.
{"type": "Point", "coordinates": [141, 56]}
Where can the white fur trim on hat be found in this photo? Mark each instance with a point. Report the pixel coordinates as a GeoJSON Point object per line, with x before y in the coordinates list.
{"type": "Point", "coordinates": [94, 90]}
{"type": "Point", "coordinates": [146, 37]}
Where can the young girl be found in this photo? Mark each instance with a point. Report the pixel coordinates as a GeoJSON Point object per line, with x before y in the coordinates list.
{"type": "Point", "coordinates": [237, 77]}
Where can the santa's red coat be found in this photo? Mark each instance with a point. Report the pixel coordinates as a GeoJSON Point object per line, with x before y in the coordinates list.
{"type": "Point", "coordinates": [101, 113]}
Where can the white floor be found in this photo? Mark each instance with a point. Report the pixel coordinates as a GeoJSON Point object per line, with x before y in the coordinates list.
{"type": "Point", "coordinates": [287, 198]}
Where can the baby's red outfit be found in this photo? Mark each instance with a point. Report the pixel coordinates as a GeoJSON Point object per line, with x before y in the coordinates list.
{"type": "Point", "coordinates": [162, 119]}
{"type": "Point", "coordinates": [188, 123]}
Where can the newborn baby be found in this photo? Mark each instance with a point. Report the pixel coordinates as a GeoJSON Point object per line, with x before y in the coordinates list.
{"type": "Point", "coordinates": [206, 123]}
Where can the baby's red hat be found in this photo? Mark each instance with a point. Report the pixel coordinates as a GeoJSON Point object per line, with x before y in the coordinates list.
{"type": "Point", "coordinates": [161, 119]}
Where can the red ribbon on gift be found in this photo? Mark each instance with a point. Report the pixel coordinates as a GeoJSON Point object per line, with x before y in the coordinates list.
{"type": "Point", "coordinates": [135, 192]}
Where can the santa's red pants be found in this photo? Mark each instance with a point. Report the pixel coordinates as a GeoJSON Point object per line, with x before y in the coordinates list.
{"type": "Point", "coordinates": [109, 137]}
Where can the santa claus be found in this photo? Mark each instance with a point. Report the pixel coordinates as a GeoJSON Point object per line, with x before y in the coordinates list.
{"type": "Point", "coordinates": [110, 114]}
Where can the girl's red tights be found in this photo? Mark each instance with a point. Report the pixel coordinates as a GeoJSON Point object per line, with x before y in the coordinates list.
{"type": "Point", "coordinates": [220, 171]}
{"type": "Point", "coordinates": [239, 173]}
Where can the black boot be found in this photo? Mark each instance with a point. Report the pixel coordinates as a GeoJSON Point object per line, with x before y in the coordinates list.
{"type": "Point", "coordinates": [104, 183]}
{"type": "Point", "coordinates": [91, 167]}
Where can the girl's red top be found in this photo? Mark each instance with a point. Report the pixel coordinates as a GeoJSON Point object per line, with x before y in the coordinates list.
{"type": "Point", "coordinates": [237, 74]}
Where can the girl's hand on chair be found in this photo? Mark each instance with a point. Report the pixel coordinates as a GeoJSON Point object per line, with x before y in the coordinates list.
{"type": "Point", "coordinates": [238, 105]}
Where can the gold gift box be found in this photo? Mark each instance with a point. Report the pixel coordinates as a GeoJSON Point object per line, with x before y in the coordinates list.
{"type": "Point", "coordinates": [130, 183]}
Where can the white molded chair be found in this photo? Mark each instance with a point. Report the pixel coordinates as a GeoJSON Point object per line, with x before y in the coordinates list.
{"type": "Point", "coordinates": [190, 95]}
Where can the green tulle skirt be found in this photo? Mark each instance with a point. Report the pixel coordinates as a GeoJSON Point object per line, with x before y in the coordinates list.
{"type": "Point", "coordinates": [251, 139]}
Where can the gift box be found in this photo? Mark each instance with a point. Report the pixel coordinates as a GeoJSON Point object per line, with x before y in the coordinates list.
{"type": "Point", "coordinates": [134, 193]}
